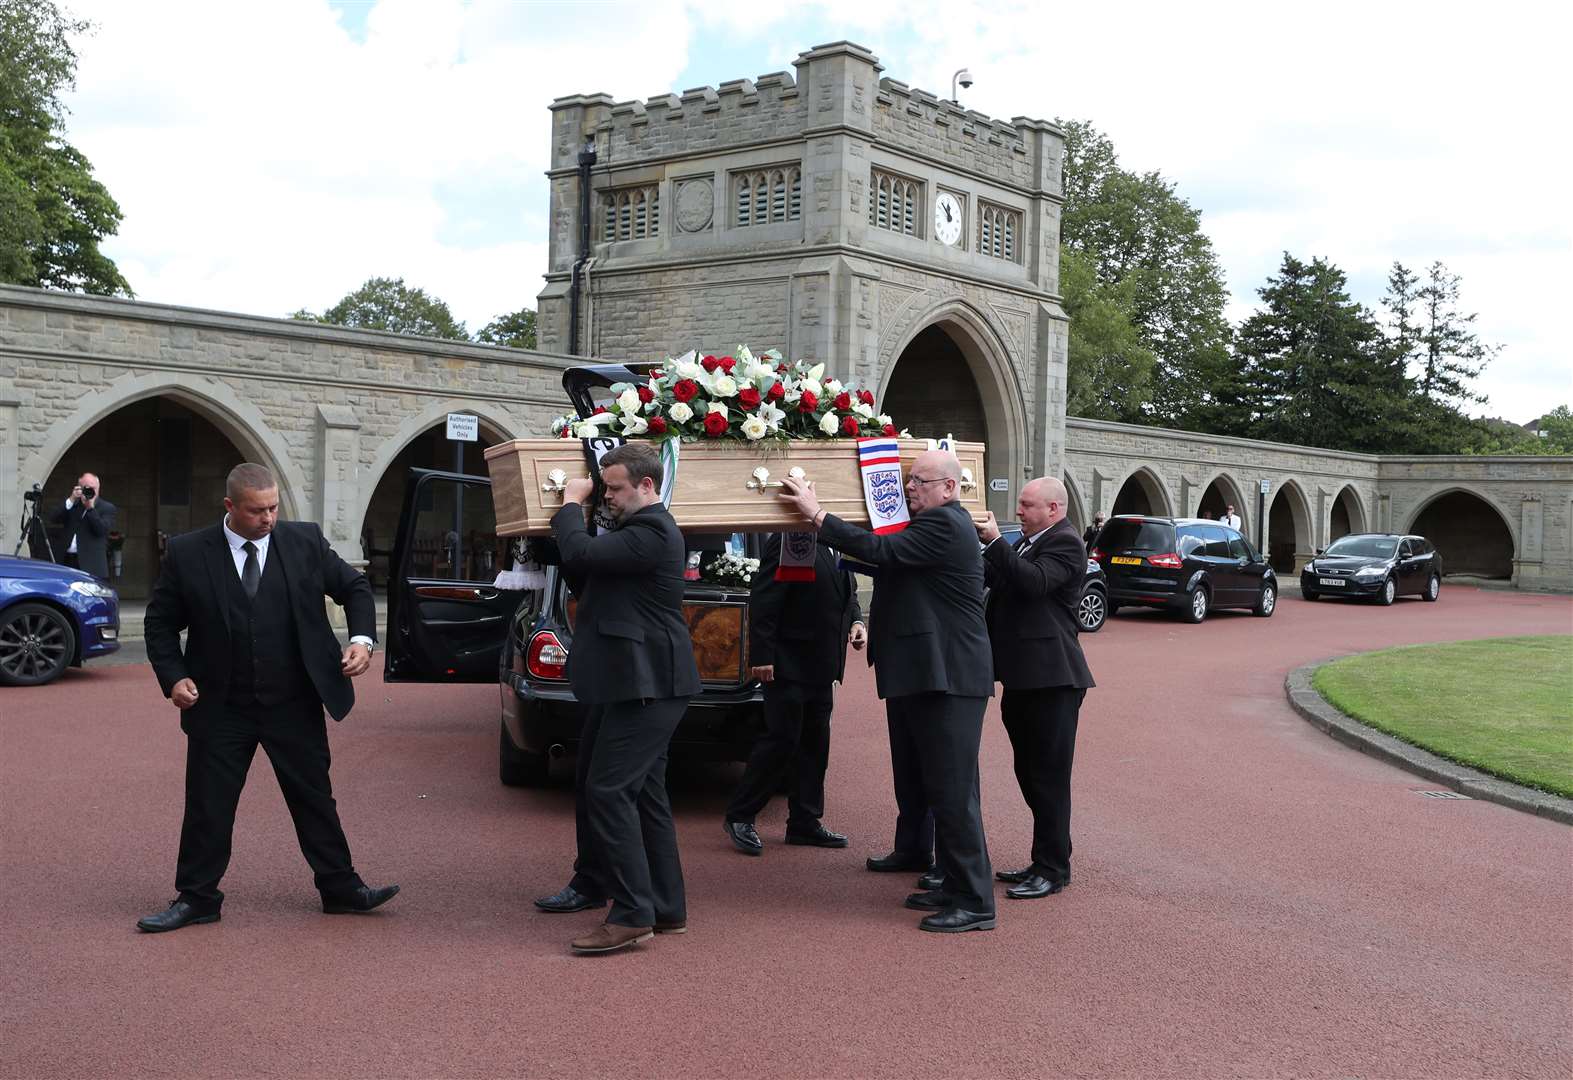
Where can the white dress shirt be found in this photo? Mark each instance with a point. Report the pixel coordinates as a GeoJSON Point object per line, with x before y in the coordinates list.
{"type": "Point", "coordinates": [237, 552]}
{"type": "Point", "coordinates": [1231, 520]}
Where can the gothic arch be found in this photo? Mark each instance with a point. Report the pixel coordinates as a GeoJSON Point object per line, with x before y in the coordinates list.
{"type": "Point", "coordinates": [1459, 545]}
{"type": "Point", "coordinates": [1354, 511]}
{"type": "Point", "coordinates": [1232, 493]}
{"type": "Point", "coordinates": [1152, 485]}
{"type": "Point", "coordinates": [239, 420]}
{"type": "Point", "coordinates": [1076, 508]}
{"type": "Point", "coordinates": [1285, 552]}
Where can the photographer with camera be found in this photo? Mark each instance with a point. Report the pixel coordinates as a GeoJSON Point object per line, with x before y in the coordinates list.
{"type": "Point", "coordinates": [84, 523]}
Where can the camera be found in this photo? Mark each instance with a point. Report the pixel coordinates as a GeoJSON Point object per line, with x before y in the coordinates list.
{"type": "Point", "coordinates": [88, 491]}
{"type": "Point", "coordinates": [34, 495]}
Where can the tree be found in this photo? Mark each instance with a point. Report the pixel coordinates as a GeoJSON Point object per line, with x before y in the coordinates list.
{"type": "Point", "coordinates": [1145, 244]}
{"type": "Point", "coordinates": [389, 304]}
{"type": "Point", "coordinates": [516, 330]}
{"type": "Point", "coordinates": [53, 213]}
{"type": "Point", "coordinates": [1451, 353]}
{"type": "Point", "coordinates": [1110, 370]}
{"type": "Point", "coordinates": [1316, 368]}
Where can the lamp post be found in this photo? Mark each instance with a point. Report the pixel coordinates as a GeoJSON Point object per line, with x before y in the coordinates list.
{"type": "Point", "coordinates": [964, 77]}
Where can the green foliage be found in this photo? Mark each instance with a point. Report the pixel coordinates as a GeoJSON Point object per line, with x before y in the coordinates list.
{"type": "Point", "coordinates": [516, 329]}
{"type": "Point", "coordinates": [53, 213]}
{"type": "Point", "coordinates": [1153, 270]}
{"type": "Point", "coordinates": [1451, 352]}
{"type": "Point", "coordinates": [1316, 368]}
{"type": "Point", "coordinates": [1555, 437]}
{"type": "Point", "coordinates": [389, 304]}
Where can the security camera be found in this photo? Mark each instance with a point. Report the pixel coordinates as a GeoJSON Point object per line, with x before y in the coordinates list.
{"type": "Point", "coordinates": [965, 79]}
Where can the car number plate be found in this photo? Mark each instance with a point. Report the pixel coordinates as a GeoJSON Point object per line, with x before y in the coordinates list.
{"type": "Point", "coordinates": [1330, 581]}
{"type": "Point", "coordinates": [1125, 561]}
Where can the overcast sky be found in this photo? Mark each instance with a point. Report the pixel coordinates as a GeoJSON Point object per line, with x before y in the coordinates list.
{"type": "Point", "coordinates": [274, 155]}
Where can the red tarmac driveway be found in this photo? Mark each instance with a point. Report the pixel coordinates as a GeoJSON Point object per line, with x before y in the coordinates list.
{"type": "Point", "coordinates": [1250, 899]}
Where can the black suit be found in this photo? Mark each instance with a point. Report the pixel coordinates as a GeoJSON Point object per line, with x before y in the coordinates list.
{"type": "Point", "coordinates": [264, 668]}
{"type": "Point", "coordinates": [1033, 596]}
{"type": "Point", "coordinates": [930, 651]}
{"type": "Point", "coordinates": [632, 660]}
{"type": "Point", "coordinates": [800, 628]}
{"type": "Point", "coordinates": [91, 529]}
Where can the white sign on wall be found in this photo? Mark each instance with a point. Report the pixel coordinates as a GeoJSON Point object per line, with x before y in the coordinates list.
{"type": "Point", "coordinates": [462, 427]}
{"type": "Point", "coordinates": [999, 483]}
{"type": "Point", "coordinates": [1267, 485]}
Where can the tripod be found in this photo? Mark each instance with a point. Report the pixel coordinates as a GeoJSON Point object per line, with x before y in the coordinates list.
{"type": "Point", "coordinates": [30, 523]}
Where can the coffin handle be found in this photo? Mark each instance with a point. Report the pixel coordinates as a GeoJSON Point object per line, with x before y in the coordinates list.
{"type": "Point", "coordinates": [967, 482]}
{"type": "Point", "coordinates": [762, 482]}
{"type": "Point", "coordinates": [556, 481]}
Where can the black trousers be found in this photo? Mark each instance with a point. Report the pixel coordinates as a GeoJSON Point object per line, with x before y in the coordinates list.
{"type": "Point", "coordinates": [1042, 728]}
{"type": "Point", "coordinates": [914, 822]}
{"type": "Point", "coordinates": [219, 750]}
{"type": "Point", "coordinates": [796, 738]}
{"type": "Point", "coordinates": [942, 732]}
{"type": "Point", "coordinates": [627, 840]}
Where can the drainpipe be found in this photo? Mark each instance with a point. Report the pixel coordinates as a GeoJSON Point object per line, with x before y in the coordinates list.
{"type": "Point", "coordinates": [586, 160]}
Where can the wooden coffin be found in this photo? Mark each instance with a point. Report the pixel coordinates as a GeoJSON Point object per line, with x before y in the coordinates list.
{"type": "Point", "coordinates": [717, 486]}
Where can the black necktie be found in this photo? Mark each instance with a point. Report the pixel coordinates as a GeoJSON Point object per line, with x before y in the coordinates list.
{"type": "Point", "coordinates": [251, 575]}
{"type": "Point", "coordinates": [1023, 543]}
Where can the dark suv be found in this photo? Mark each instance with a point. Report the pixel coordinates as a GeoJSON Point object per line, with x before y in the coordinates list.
{"type": "Point", "coordinates": [1187, 565]}
{"type": "Point", "coordinates": [1378, 566]}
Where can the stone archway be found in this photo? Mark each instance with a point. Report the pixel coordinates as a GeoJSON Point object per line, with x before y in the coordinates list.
{"type": "Point", "coordinates": [1076, 506]}
{"type": "Point", "coordinates": [1221, 494]}
{"type": "Point", "coordinates": [952, 375]}
{"type": "Point", "coordinates": [1142, 493]}
{"type": "Point", "coordinates": [1469, 531]}
{"type": "Point", "coordinates": [1347, 515]}
{"type": "Point", "coordinates": [1288, 529]}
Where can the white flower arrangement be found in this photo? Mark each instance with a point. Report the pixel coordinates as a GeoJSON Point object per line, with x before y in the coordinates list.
{"type": "Point", "coordinates": [731, 569]}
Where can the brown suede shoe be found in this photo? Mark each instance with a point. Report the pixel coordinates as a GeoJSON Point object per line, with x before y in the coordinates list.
{"type": "Point", "coordinates": [609, 937]}
{"type": "Point", "coordinates": [679, 927]}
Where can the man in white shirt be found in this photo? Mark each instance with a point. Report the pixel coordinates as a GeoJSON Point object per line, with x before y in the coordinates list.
{"type": "Point", "coordinates": [1229, 517]}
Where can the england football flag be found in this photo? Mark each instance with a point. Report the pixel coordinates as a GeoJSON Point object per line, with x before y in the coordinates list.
{"type": "Point", "coordinates": [880, 462]}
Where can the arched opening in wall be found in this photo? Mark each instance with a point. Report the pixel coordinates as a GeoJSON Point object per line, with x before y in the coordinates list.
{"type": "Point", "coordinates": [1470, 534]}
{"type": "Point", "coordinates": [431, 449]}
{"type": "Point", "coordinates": [1288, 528]}
{"type": "Point", "coordinates": [932, 393]}
{"type": "Point", "coordinates": [1219, 496]}
{"type": "Point", "coordinates": [1075, 509]}
{"type": "Point", "coordinates": [1347, 516]}
{"type": "Point", "coordinates": [162, 465]}
{"type": "Point", "coordinates": [1141, 494]}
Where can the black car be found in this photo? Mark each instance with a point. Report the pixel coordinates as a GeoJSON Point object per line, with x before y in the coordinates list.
{"type": "Point", "coordinates": [1189, 565]}
{"type": "Point", "coordinates": [1094, 606]}
{"type": "Point", "coordinates": [1377, 566]}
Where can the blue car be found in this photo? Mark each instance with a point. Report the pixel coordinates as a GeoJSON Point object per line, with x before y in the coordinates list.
{"type": "Point", "coordinates": [52, 617]}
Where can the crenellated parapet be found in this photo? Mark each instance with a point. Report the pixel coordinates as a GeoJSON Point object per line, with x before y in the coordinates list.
{"type": "Point", "coordinates": [1021, 152]}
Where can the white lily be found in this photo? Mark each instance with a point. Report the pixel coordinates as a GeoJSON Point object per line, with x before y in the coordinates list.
{"type": "Point", "coordinates": [743, 356]}
{"type": "Point", "coordinates": [771, 415]}
{"type": "Point", "coordinates": [754, 427]}
{"type": "Point", "coordinates": [830, 423]}
{"type": "Point", "coordinates": [883, 420]}
{"type": "Point", "coordinates": [687, 369]}
{"type": "Point", "coordinates": [816, 372]}
{"type": "Point", "coordinates": [793, 392]}
{"type": "Point", "coordinates": [635, 424]}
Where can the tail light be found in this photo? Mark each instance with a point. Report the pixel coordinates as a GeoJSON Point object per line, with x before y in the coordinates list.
{"type": "Point", "coordinates": [546, 658]}
{"type": "Point", "coordinates": [1099, 555]}
{"type": "Point", "coordinates": [1171, 561]}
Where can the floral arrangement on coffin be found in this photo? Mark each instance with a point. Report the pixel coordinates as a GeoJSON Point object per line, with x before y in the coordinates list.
{"type": "Point", "coordinates": [742, 397]}
{"type": "Point", "coordinates": [731, 569]}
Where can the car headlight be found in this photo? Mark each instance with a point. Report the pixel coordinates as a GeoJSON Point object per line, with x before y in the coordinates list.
{"type": "Point", "coordinates": [92, 588]}
{"type": "Point", "coordinates": [1371, 572]}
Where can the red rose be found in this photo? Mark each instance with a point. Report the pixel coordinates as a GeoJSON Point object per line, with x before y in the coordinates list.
{"type": "Point", "coordinates": [808, 402]}
{"type": "Point", "coordinates": [781, 369]}
{"type": "Point", "coordinates": [727, 364]}
{"type": "Point", "coordinates": [598, 410]}
{"type": "Point", "coordinates": [715, 424]}
{"type": "Point", "coordinates": [849, 425]}
{"type": "Point", "coordinates": [776, 392]}
{"type": "Point", "coordinates": [646, 395]}
{"type": "Point", "coordinates": [567, 433]}
{"type": "Point", "coordinates": [657, 425]}
{"type": "Point", "coordinates": [866, 397]}
{"type": "Point", "coordinates": [843, 401]}
{"type": "Point", "coordinates": [748, 397]}
{"type": "Point", "coordinates": [710, 363]}
{"type": "Point", "coordinates": [889, 430]}
{"type": "Point", "coordinates": [685, 389]}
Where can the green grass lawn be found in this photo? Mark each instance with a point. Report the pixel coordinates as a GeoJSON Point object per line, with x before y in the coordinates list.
{"type": "Point", "coordinates": [1502, 705]}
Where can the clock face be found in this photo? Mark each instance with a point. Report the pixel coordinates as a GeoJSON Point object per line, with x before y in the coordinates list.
{"type": "Point", "coordinates": [947, 218]}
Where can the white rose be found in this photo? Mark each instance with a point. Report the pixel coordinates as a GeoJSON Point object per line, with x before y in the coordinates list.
{"type": "Point", "coordinates": [883, 419]}
{"type": "Point", "coordinates": [716, 406]}
{"type": "Point", "coordinates": [812, 386]}
{"type": "Point", "coordinates": [830, 423]}
{"type": "Point", "coordinates": [864, 410]}
{"type": "Point", "coordinates": [585, 431]}
{"type": "Point", "coordinates": [832, 387]}
{"type": "Point", "coordinates": [634, 424]}
{"type": "Point", "coordinates": [628, 401]}
{"type": "Point", "coordinates": [723, 385]}
{"type": "Point", "coordinates": [754, 427]}
{"type": "Point", "coordinates": [687, 369]}
{"type": "Point", "coordinates": [680, 412]}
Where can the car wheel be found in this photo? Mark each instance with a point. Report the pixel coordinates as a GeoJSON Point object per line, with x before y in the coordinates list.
{"type": "Point", "coordinates": [1433, 588]}
{"type": "Point", "coordinates": [519, 768]}
{"type": "Point", "coordinates": [1092, 611]}
{"type": "Point", "coordinates": [1199, 604]}
{"type": "Point", "coordinates": [1389, 592]}
{"type": "Point", "coordinates": [1266, 602]}
{"type": "Point", "coordinates": [37, 643]}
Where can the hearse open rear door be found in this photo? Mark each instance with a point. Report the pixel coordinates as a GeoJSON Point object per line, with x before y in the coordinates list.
{"type": "Point", "coordinates": [447, 622]}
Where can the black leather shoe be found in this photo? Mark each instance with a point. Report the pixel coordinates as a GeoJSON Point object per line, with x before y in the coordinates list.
{"type": "Point", "coordinates": [927, 901]}
{"type": "Point", "coordinates": [955, 920]}
{"type": "Point", "coordinates": [1014, 877]}
{"type": "Point", "coordinates": [360, 901]}
{"type": "Point", "coordinates": [179, 913]}
{"type": "Point", "coordinates": [1034, 886]}
{"type": "Point", "coordinates": [899, 862]}
{"type": "Point", "coordinates": [744, 837]}
{"type": "Point", "coordinates": [820, 837]}
{"type": "Point", "coordinates": [932, 881]}
{"type": "Point", "coordinates": [568, 900]}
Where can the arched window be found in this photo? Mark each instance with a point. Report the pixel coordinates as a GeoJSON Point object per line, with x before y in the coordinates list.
{"type": "Point", "coordinates": [895, 203]}
{"type": "Point", "coordinates": [768, 196]}
{"type": "Point", "coordinates": [632, 213]}
{"type": "Point", "coordinates": [998, 229]}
